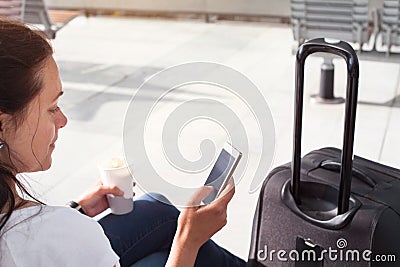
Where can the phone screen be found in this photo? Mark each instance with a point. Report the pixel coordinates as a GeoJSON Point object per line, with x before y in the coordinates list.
{"type": "Point", "coordinates": [219, 173]}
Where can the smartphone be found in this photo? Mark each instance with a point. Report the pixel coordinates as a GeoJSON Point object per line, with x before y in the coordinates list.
{"type": "Point", "coordinates": [222, 171]}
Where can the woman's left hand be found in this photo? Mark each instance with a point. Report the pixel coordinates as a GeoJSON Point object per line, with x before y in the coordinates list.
{"type": "Point", "coordinates": [94, 201]}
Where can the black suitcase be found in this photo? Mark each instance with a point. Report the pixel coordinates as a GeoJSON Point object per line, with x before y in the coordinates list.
{"type": "Point", "coordinates": [328, 209]}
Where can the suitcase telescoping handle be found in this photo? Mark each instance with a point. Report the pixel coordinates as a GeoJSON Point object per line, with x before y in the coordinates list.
{"type": "Point", "coordinates": [345, 51]}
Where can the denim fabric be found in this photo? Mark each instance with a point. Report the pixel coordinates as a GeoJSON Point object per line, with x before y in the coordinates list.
{"type": "Point", "coordinates": [144, 236]}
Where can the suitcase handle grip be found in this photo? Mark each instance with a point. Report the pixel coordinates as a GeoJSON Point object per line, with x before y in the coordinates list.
{"type": "Point", "coordinates": [345, 51]}
{"type": "Point", "coordinates": [357, 173]}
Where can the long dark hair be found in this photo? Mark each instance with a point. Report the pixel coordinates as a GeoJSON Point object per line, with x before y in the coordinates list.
{"type": "Point", "coordinates": [22, 56]}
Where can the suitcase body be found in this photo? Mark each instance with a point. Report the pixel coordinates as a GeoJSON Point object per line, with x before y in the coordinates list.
{"type": "Point", "coordinates": [327, 209]}
{"type": "Point", "coordinates": [374, 227]}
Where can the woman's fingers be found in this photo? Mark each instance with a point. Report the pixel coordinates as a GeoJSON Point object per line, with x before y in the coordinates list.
{"type": "Point", "coordinates": [197, 225]}
{"type": "Point", "coordinates": [226, 194]}
{"type": "Point", "coordinates": [199, 195]}
{"type": "Point", "coordinates": [114, 190]}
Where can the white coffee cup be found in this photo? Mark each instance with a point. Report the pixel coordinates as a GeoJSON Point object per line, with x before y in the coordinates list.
{"type": "Point", "coordinates": [115, 172]}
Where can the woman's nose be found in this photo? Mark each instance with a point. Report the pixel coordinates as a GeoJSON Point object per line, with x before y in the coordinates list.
{"type": "Point", "coordinates": [62, 120]}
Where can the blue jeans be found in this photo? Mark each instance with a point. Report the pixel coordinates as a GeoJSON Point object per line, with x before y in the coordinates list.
{"type": "Point", "coordinates": [146, 235]}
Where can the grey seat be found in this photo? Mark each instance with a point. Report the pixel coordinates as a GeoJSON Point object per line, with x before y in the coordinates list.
{"type": "Point", "coordinates": [35, 13]}
{"type": "Point", "coordinates": [12, 9]}
{"type": "Point", "coordinates": [346, 20]}
{"type": "Point", "coordinates": [390, 23]}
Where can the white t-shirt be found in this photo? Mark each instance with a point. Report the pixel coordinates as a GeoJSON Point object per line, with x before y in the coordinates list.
{"type": "Point", "coordinates": [54, 236]}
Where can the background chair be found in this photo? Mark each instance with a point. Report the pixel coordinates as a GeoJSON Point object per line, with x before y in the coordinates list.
{"type": "Point", "coordinates": [35, 13]}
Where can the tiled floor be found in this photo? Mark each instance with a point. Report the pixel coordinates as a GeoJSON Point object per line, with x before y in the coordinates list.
{"type": "Point", "coordinates": [104, 60]}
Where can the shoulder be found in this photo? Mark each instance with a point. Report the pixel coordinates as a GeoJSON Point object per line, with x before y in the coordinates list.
{"type": "Point", "coordinates": [45, 214]}
{"type": "Point", "coordinates": [66, 216]}
{"type": "Point", "coordinates": [73, 225]}
{"type": "Point", "coordinates": [53, 219]}
{"type": "Point", "coordinates": [59, 235]}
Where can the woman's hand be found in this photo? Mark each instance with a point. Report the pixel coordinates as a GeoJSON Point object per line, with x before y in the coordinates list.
{"type": "Point", "coordinates": [94, 201]}
{"type": "Point", "coordinates": [197, 224]}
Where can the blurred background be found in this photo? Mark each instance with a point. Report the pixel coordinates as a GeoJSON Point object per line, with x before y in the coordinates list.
{"type": "Point", "coordinates": [106, 49]}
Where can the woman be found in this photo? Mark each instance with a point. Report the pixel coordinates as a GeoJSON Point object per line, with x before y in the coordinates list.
{"type": "Point", "coordinates": [34, 234]}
